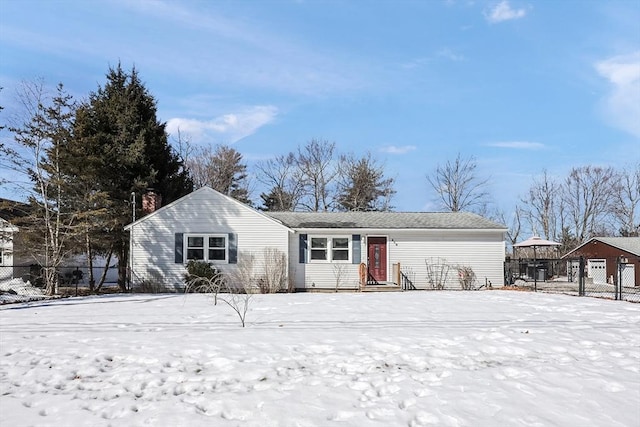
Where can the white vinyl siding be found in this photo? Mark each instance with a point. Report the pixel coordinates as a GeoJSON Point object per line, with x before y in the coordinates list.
{"type": "Point", "coordinates": [481, 250]}
{"type": "Point", "coordinates": [203, 212]}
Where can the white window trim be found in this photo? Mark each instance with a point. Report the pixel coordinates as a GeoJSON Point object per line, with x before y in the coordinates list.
{"type": "Point", "coordinates": [206, 248]}
{"type": "Point", "coordinates": [329, 249]}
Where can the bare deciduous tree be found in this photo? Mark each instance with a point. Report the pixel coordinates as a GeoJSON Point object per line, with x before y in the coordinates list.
{"type": "Point", "coordinates": [318, 173]}
{"type": "Point", "coordinates": [458, 186]}
{"type": "Point", "coordinates": [540, 206]}
{"type": "Point", "coordinates": [626, 200]}
{"type": "Point", "coordinates": [46, 129]}
{"type": "Point", "coordinates": [514, 225]}
{"type": "Point", "coordinates": [587, 196]}
{"type": "Point", "coordinates": [282, 175]}
{"type": "Point", "coordinates": [182, 144]}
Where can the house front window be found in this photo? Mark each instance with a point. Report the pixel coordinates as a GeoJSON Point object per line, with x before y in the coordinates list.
{"type": "Point", "coordinates": [340, 249]}
{"type": "Point", "coordinates": [330, 249]}
{"type": "Point", "coordinates": [207, 247]}
{"type": "Point", "coordinates": [217, 248]}
{"type": "Point", "coordinates": [319, 249]}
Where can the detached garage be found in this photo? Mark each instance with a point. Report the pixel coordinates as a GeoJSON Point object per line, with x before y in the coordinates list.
{"type": "Point", "coordinates": [605, 256]}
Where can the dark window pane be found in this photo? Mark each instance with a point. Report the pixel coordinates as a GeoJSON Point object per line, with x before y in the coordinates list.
{"type": "Point", "coordinates": [195, 254]}
{"type": "Point", "coordinates": [318, 242]}
{"type": "Point", "coordinates": [318, 254]}
{"type": "Point", "coordinates": [216, 254]}
{"type": "Point", "coordinates": [217, 242]}
{"type": "Point", "coordinates": [195, 242]}
{"type": "Point", "coordinates": [341, 242]}
{"type": "Point", "coordinates": [340, 255]}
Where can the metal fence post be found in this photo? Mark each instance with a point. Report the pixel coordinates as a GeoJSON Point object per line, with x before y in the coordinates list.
{"type": "Point", "coordinates": [581, 277]}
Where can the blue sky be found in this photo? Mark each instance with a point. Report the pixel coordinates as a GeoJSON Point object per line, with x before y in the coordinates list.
{"type": "Point", "coordinates": [520, 85]}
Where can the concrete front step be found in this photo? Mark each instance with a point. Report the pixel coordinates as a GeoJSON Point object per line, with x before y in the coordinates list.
{"type": "Point", "coordinates": [381, 287]}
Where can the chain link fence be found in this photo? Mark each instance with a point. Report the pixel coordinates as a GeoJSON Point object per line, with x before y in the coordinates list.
{"type": "Point", "coordinates": [612, 278]}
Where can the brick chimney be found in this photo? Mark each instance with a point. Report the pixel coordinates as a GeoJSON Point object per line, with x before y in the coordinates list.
{"type": "Point", "coordinates": [151, 201]}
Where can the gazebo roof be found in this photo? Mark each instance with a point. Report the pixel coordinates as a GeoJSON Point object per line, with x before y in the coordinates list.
{"type": "Point", "coordinates": [535, 241]}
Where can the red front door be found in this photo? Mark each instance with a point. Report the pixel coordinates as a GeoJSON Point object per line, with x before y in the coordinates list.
{"type": "Point", "coordinates": [377, 258]}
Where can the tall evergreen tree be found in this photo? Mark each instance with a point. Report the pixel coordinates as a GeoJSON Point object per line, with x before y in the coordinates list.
{"type": "Point", "coordinates": [277, 200]}
{"type": "Point", "coordinates": [221, 169]}
{"type": "Point", "coordinates": [123, 150]}
{"type": "Point", "coordinates": [362, 185]}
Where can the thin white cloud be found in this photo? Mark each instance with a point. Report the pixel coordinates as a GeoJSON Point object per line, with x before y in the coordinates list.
{"type": "Point", "coordinates": [255, 55]}
{"type": "Point", "coordinates": [414, 63]}
{"type": "Point", "coordinates": [392, 149]}
{"type": "Point", "coordinates": [519, 145]}
{"type": "Point", "coordinates": [621, 106]}
{"type": "Point", "coordinates": [504, 12]}
{"type": "Point", "coordinates": [228, 128]}
{"type": "Point", "coordinates": [450, 54]}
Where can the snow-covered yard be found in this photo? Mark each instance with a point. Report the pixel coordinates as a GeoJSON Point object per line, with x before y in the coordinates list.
{"type": "Point", "coordinates": [492, 358]}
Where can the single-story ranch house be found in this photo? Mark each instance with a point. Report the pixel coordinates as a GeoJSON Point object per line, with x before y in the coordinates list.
{"type": "Point", "coordinates": [323, 251]}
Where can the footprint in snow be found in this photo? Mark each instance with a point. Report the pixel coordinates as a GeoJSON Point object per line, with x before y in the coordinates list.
{"type": "Point", "coordinates": [423, 419]}
{"type": "Point", "coordinates": [380, 414]}
{"type": "Point", "coordinates": [342, 416]}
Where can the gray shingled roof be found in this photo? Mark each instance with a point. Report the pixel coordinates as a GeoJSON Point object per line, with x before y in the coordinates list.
{"type": "Point", "coordinates": [386, 220]}
{"type": "Point", "coordinates": [629, 244]}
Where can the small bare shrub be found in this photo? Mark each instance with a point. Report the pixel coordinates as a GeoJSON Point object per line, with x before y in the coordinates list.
{"type": "Point", "coordinates": [339, 271]}
{"type": "Point", "coordinates": [275, 267]}
{"type": "Point", "coordinates": [466, 277]}
{"type": "Point", "coordinates": [149, 286]}
{"type": "Point", "coordinates": [239, 299]}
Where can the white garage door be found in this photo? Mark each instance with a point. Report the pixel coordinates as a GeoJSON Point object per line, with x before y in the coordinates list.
{"type": "Point", "coordinates": [628, 275]}
{"type": "Point", "coordinates": [597, 270]}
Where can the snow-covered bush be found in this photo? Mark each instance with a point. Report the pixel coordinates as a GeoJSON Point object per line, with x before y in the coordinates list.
{"type": "Point", "coordinates": [202, 277]}
{"type": "Point", "coordinates": [17, 290]}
